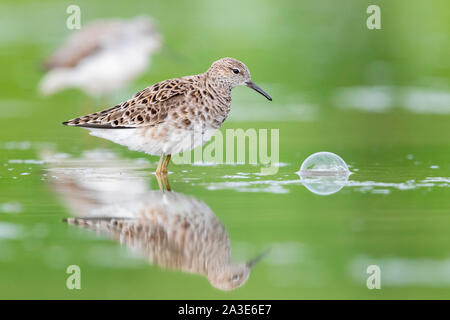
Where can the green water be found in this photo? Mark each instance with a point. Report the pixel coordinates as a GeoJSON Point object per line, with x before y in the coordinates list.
{"type": "Point", "coordinates": [379, 99]}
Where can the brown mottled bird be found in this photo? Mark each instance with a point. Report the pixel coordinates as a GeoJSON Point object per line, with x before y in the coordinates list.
{"type": "Point", "coordinates": [174, 115]}
{"type": "Point", "coordinates": [169, 229]}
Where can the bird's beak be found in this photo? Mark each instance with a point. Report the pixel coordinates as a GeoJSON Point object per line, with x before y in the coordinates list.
{"type": "Point", "coordinates": [252, 85]}
{"type": "Point", "coordinates": [257, 259]}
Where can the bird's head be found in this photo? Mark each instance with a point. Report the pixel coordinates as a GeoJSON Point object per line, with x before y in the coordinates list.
{"type": "Point", "coordinates": [233, 73]}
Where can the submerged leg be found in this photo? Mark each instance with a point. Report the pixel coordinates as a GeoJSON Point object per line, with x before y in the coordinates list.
{"type": "Point", "coordinates": [161, 173]}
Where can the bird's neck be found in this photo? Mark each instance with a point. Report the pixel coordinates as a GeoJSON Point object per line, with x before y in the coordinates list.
{"type": "Point", "coordinates": [218, 85]}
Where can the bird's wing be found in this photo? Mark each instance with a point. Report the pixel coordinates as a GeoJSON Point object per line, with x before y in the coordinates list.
{"type": "Point", "coordinates": [83, 43]}
{"type": "Point", "coordinates": [148, 107]}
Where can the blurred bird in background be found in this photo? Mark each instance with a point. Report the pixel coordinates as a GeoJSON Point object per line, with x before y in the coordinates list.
{"type": "Point", "coordinates": [102, 57]}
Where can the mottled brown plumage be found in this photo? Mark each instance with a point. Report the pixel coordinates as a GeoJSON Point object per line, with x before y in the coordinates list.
{"type": "Point", "coordinates": [174, 115]}
{"type": "Point", "coordinates": [148, 107]}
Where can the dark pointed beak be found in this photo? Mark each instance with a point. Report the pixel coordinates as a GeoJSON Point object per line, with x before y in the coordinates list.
{"type": "Point", "coordinates": [252, 85]}
{"type": "Point", "coordinates": [257, 259]}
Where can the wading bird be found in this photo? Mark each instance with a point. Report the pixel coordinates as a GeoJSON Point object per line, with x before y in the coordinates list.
{"type": "Point", "coordinates": [174, 115]}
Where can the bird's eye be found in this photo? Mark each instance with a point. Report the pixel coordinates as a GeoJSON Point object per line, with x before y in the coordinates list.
{"type": "Point", "coordinates": [235, 277]}
{"type": "Point", "coordinates": [235, 71]}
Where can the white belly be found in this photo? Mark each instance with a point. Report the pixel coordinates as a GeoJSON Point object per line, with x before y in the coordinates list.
{"type": "Point", "coordinates": [156, 141]}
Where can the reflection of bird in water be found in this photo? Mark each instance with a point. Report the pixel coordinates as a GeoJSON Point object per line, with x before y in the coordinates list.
{"type": "Point", "coordinates": [170, 229]}
{"type": "Point", "coordinates": [104, 56]}
{"type": "Point", "coordinates": [173, 231]}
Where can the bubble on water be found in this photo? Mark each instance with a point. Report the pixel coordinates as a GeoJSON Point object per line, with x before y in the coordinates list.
{"type": "Point", "coordinates": [324, 173]}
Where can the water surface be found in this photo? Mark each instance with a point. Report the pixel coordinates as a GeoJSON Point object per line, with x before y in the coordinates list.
{"type": "Point", "coordinates": [378, 99]}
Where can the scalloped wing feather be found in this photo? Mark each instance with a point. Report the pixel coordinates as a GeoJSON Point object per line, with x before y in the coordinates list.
{"type": "Point", "coordinates": [148, 107]}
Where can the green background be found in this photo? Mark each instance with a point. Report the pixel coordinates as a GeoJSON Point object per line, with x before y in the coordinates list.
{"type": "Point", "coordinates": [307, 55]}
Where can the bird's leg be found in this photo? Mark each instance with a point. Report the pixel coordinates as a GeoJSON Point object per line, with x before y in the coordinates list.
{"type": "Point", "coordinates": [166, 181]}
{"type": "Point", "coordinates": [166, 164]}
{"type": "Point", "coordinates": [160, 171]}
{"type": "Point", "coordinates": [160, 165]}
{"type": "Point", "coordinates": [164, 172]}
